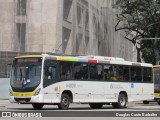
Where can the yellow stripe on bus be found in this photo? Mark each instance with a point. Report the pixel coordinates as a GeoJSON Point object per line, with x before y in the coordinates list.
{"type": "Point", "coordinates": [142, 90]}
{"type": "Point", "coordinates": [68, 59]}
{"type": "Point", "coordinates": [23, 94]}
{"type": "Point", "coordinates": [59, 88]}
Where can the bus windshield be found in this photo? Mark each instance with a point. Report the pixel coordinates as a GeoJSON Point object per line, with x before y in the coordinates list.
{"type": "Point", "coordinates": [157, 80]}
{"type": "Point", "coordinates": [26, 73]}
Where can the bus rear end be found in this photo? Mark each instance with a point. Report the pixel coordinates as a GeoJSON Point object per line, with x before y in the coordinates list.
{"type": "Point", "coordinates": [157, 83]}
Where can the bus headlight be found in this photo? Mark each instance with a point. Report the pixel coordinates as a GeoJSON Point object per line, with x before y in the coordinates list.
{"type": "Point", "coordinates": [37, 92]}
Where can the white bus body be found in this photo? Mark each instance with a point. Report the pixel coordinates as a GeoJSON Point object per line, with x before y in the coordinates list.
{"type": "Point", "coordinates": [96, 92]}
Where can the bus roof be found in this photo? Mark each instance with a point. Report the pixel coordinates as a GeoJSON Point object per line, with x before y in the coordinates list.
{"type": "Point", "coordinates": [90, 59]}
{"type": "Point", "coordinates": [30, 56]}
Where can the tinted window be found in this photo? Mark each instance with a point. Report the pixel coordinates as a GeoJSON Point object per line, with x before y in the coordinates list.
{"type": "Point", "coordinates": [100, 72]}
{"type": "Point", "coordinates": [147, 74]}
{"type": "Point", "coordinates": [66, 71]}
{"type": "Point", "coordinates": [80, 71]}
{"type": "Point", "coordinates": [126, 73]}
{"type": "Point", "coordinates": [122, 73]}
{"type": "Point", "coordinates": [77, 71]}
{"type": "Point", "coordinates": [93, 71]}
{"type": "Point", "coordinates": [136, 74]}
{"type": "Point", "coordinates": [96, 71]}
{"type": "Point", "coordinates": [50, 72]}
{"type": "Point", "coordinates": [110, 72]}
{"type": "Point", "coordinates": [106, 72]}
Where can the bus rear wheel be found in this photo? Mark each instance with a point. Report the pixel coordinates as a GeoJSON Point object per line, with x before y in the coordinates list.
{"type": "Point", "coordinates": [37, 106]}
{"type": "Point", "coordinates": [158, 102]}
{"type": "Point", "coordinates": [145, 102]}
{"type": "Point", "coordinates": [65, 102]}
{"type": "Point", "coordinates": [96, 105]}
{"type": "Point", "coordinates": [122, 101]}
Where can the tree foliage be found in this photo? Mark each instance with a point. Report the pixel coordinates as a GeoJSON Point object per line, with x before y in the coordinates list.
{"type": "Point", "coordinates": [141, 19]}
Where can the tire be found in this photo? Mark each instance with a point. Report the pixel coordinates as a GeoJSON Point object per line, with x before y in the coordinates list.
{"type": "Point", "coordinates": [96, 105]}
{"type": "Point", "coordinates": [122, 101]}
{"type": "Point", "coordinates": [65, 102]}
{"type": "Point", "coordinates": [37, 106]}
{"type": "Point", "coordinates": [145, 102]}
{"type": "Point", "coordinates": [114, 105]}
{"type": "Point", "coordinates": [158, 102]}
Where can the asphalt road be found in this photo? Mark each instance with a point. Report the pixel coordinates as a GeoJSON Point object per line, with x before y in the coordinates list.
{"type": "Point", "coordinates": [5, 105]}
{"type": "Point", "coordinates": [81, 111]}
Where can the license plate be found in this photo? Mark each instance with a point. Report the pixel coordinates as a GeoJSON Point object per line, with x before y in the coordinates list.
{"type": "Point", "coordinates": [22, 101]}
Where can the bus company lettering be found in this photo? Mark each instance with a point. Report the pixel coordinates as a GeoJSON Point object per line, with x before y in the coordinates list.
{"type": "Point", "coordinates": [116, 86]}
{"type": "Point", "coordinates": [71, 85]}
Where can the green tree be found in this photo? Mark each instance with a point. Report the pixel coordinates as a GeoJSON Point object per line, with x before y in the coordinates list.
{"type": "Point", "coordinates": [140, 19]}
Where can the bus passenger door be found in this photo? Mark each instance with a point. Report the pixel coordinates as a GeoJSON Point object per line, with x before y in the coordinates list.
{"type": "Point", "coordinates": [49, 78]}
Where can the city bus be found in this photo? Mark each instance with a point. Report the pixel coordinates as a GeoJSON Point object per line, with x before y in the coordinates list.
{"type": "Point", "coordinates": [156, 70]}
{"type": "Point", "coordinates": [95, 80]}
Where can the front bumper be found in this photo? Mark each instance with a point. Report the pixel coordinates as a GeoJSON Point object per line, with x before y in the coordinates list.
{"type": "Point", "coordinates": [32, 99]}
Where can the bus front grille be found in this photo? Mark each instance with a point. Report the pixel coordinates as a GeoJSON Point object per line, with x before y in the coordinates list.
{"type": "Point", "coordinates": [22, 100]}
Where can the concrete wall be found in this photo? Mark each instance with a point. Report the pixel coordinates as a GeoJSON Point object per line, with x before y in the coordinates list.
{"type": "Point", "coordinates": [41, 25]}
{"type": "Point", "coordinates": [7, 25]}
{"type": "Point", "coordinates": [82, 27]}
{"type": "Point", "coordinates": [4, 88]}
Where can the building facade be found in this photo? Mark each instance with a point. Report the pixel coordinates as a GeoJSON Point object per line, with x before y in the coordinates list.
{"type": "Point", "coordinates": [79, 27]}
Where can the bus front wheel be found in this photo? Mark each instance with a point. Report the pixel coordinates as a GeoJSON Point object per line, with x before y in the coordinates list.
{"type": "Point", "coordinates": [96, 105]}
{"type": "Point", "coordinates": [65, 102]}
{"type": "Point", "coordinates": [37, 106]}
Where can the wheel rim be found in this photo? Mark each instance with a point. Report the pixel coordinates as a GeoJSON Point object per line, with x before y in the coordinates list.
{"type": "Point", "coordinates": [122, 101]}
{"type": "Point", "coordinates": [65, 101]}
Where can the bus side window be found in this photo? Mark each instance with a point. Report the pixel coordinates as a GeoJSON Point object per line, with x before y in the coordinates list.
{"type": "Point", "coordinates": [139, 74]}
{"type": "Point", "coordinates": [77, 72]}
{"type": "Point", "coordinates": [100, 72]}
{"type": "Point", "coordinates": [65, 70]}
{"type": "Point", "coordinates": [133, 74]}
{"type": "Point", "coordinates": [136, 73]}
{"type": "Point", "coordinates": [126, 73]}
{"type": "Point", "coordinates": [50, 72]}
{"type": "Point", "coordinates": [84, 71]}
{"type": "Point", "coordinates": [107, 75]}
{"type": "Point", "coordinates": [93, 71]}
{"type": "Point", "coordinates": [80, 71]}
{"type": "Point", "coordinates": [147, 73]}
{"type": "Point", "coordinates": [121, 73]}
{"type": "Point", "coordinates": [69, 70]}
{"type": "Point", "coordinates": [62, 70]}
{"type": "Point", "coordinates": [113, 72]}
